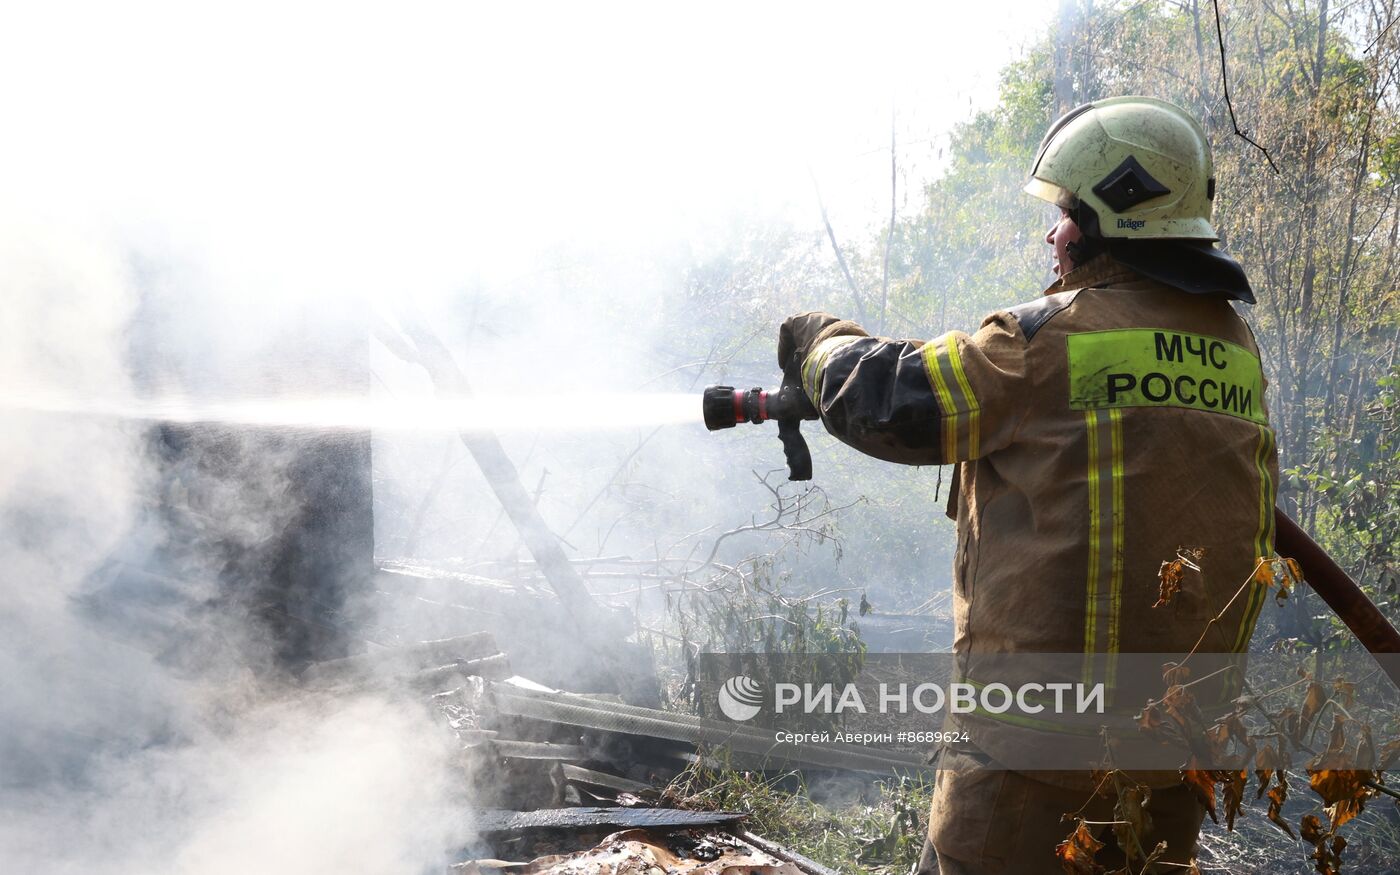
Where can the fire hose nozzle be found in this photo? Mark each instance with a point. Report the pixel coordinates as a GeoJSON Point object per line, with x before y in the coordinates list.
{"type": "Point", "coordinates": [725, 407]}
{"type": "Point", "coordinates": [721, 406]}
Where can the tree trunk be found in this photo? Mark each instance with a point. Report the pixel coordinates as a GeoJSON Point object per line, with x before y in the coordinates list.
{"type": "Point", "coordinates": [1066, 38]}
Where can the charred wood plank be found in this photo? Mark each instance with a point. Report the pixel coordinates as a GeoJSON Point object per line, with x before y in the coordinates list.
{"type": "Point", "coordinates": [494, 667]}
{"type": "Point", "coordinates": [401, 662]}
{"type": "Point", "coordinates": [590, 778]}
{"type": "Point", "coordinates": [535, 750]}
{"type": "Point", "coordinates": [589, 713]}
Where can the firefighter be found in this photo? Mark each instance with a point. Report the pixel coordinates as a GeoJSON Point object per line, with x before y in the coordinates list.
{"type": "Point", "coordinates": [1096, 430]}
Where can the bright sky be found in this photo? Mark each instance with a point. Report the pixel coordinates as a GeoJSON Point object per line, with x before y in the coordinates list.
{"type": "Point", "coordinates": [293, 142]}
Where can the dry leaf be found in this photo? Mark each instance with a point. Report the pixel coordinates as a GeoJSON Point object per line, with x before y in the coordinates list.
{"type": "Point", "coordinates": [1288, 719]}
{"type": "Point", "coordinates": [1169, 578]}
{"type": "Point", "coordinates": [1312, 704]}
{"type": "Point", "coordinates": [1327, 860]}
{"type": "Point", "coordinates": [1344, 791]}
{"type": "Point", "coordinates": [1174, 674]}
{"type": "Point", "coordinates": [1292, 576]}
{"type": "Point", "coordinates": [1134, 821]}
{"type": "Point", "coordinates": [1277, 571]}
{"type": "Point", "coordinates": [1150, 721]}
{"type": "Point", "coordinates": [1263, 572]}
{"type": "Point", "coordinates": [1346, 690]}
{"type": "Point", "coordinates": [1218, 739]}
{"type": "Point", "coordinates": [1181, 709]}
{"type": "Point", "coordinates": [1269, 761]}
{"type": "Point", "coordinates": [1153, 857]}
{"type": "Point", "coordinates": [1232, 787]}
{"type": "Point", "coordinates": [1076, 853]}
{"type": "Point", "coordinates": [1311, 828]}
{"type": "Point", "coordinates": [1202, 784]}
{"type": "Point", "coordinates": [1171, 574]}
{"type": "Point", "coordinates": [1230, 728]}
{"type": "Point", "coordinates": [1278, 795]}
{"type": "Point", "coordinates": [1337, 739]}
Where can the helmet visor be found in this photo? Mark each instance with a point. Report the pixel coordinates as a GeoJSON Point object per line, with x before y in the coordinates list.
{"type": "Point", "coordinates": [1046, 191]}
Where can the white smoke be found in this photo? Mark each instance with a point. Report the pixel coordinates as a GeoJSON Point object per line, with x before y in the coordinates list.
{"type": "Point", "coordinates": [305, 786]}
{"type": "Point", "coordinates": [114, 758]}
{"type": "Point", "coordinates": [68, 492]}
{"type": "Point", "coordinates": [181, 186]}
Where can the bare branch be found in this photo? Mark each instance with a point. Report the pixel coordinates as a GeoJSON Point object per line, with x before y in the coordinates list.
{"type": "Point", "coordinates": [1225, 82]}
{"type": "Point", "coordinates": [840, 259]}
{"type": "Point", "coordinates": [889, 237]}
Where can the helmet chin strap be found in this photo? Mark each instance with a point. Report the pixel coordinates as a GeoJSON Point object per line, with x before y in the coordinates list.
{"type": "Point", "coordinates": [1091, 243]}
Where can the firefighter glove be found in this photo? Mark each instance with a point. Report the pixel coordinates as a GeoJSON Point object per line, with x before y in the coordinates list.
{"type": "Point", "coordinates": [800, 333]}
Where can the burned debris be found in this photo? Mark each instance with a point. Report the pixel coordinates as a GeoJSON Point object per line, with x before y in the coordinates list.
{"type": "Point", "coordinates": [698, 852]}
{"type": "Point", "coordinates": [529, 663]}
{"type": "Point", "coordinates": [571, 782]}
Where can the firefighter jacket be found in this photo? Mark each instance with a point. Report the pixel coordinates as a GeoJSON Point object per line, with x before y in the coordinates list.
{"type": "Point", "coordinates": [1097, 431]}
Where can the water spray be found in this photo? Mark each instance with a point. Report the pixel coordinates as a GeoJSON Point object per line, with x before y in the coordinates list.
{"type": "Point", "coordinates": [497, 412]}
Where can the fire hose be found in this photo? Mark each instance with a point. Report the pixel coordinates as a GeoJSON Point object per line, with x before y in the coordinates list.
{"type": "Point", "coordinates": [725, 407]}
{"type": "Point", "coordinates": [1339, 591]}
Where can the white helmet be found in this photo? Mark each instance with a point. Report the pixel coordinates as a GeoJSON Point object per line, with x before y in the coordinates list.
{"type": "Point", "coordinates": [1142, 164]}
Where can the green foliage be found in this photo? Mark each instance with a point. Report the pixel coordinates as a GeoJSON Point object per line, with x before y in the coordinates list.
{"type": "Point", "coordinates": [758, 628]}
{"type": "Point", "coordinates": [1385, 162]}
{"type": "Point", "coordinates": [882, 836]}
{"type": "Point", "coordinates": [1358, 520]}
{"type": "Point", "coordinates": [1012, 130]}
{"type": "Point", "coordinates": [755, 616]}
{"type": "Point", "coordinates": [976, 245]}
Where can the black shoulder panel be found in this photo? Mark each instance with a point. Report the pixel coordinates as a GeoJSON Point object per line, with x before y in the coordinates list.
{"type": "Point", "coordinates": [1034, 314]}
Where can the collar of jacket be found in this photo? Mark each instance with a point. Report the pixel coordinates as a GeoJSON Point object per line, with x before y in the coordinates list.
{"type": "Point", "coordinates": [1101, 270]}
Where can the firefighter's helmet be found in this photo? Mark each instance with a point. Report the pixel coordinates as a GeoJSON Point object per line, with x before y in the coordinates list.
{"type": "Point", "coordinates": [1142, 164]}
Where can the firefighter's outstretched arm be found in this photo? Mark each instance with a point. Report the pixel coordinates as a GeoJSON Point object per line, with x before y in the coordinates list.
{"type": "Point", "coordinates": [907, 401]}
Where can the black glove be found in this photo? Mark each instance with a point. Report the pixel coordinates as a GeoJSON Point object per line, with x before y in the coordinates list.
{"type": "Point", "coordinates": [800, 333]}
